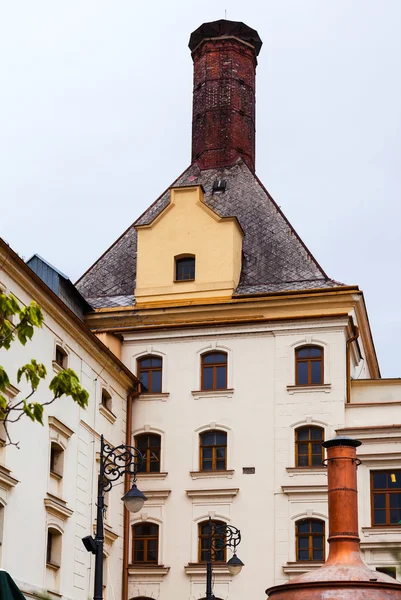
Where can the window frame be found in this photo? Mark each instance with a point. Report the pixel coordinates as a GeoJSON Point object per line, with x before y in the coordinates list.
{"type": "Point", "coordinates": [179, 259]}
{"type": "Point", "coordinates": [214, 366]}
{"type": "Point", "coordinates": [56, 463]}
{"type": "Point", "coordinates": [53, 547]}
{"type": "Point", "coordinates": [214, 458]}
{"type": "Point", "coordinates": [150, 370]}
{"type": "Point", "coordinates": [387, 491]}
{"type": "Point", "coordinates": [147, 456]}
{"type": "Point", "coordinates": [202, 536]}
{"type": "Point", "coordinates": [106, 400]}
{"type": "Point", "coordinates": [309, 442]}
{"type": "Point", "coordinates": [310, 536]}
{"type": "Point", "coordinates": [309, 360]}
{"type": "Point", "coordinates": [146, 539]}
{"type": "Point", "coordinates": [64, 360]}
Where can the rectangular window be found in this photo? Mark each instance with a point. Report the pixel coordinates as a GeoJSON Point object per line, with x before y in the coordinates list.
{"type": "Point", "coordinates": [385, 489]}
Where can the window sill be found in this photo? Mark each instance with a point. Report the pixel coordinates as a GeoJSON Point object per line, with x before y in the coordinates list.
{"type": "Point", "coordinates": [199, 394]}
{"type": "Point", "coordinates": [106, 412]}
{"type": "Point", "coordinates": [150, 476]}
{"type": "Point", "coordinates": [184, 280]}
{"type": "Point", "coordinates": [228, 474]}
{"type": "Point", "coordinates": [56, 367]}
{"type": "Point", "coordinates": [149, 397]}
{"type": "Point", "coordinates": [52, 566]}
{"type": "Point", "coordinates": [321, 387]}
{"type": "Point", "coordinates": [56, 476]}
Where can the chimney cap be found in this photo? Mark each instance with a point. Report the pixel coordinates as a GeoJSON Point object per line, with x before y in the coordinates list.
{"type": "Point", "coordinates": [222, 28]}
{"type": "Point", "coordinates": [341, 440]}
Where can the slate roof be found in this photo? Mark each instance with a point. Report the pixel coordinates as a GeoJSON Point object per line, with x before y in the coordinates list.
{"type": "Point", "coordinates": [274, 257]}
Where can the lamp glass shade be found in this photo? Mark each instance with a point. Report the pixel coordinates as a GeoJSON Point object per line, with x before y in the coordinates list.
{"type": "Point", "coordinates": [234, 565]}
{"type": "Point", "coordinates": [134, 499]}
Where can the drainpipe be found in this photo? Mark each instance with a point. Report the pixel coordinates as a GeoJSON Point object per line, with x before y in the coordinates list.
{"type": "Point", "coordinates": [348, 361]}
{"type": "Point", "coordinates": [127, 485]}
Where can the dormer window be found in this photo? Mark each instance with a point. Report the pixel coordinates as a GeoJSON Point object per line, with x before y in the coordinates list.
{"type": "Point", "coordinates": [185, 268]}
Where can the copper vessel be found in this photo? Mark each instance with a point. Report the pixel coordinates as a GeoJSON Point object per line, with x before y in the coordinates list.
{"type": "Point", "coordinates": [344, 576]}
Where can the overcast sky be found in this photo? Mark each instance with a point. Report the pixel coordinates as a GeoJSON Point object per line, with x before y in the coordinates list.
{"type": "Point", "coordinates": [95, 122]}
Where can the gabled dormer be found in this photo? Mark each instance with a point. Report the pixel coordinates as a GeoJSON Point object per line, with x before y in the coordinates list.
{"type": "Point", "coordinates": [188, 252]}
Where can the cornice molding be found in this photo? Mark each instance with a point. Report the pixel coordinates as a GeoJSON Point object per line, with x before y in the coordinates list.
{"type": "Point", "coordinates": [304, 489]}
{"type": "Point", "coordinates": [152, 573]}
{"type": "Point", "coordinates": [227, 474]}
{"type": "Point", "coordinates": [200, 569]}
{"type": "Point", "coordinates": [59, 427]}
{"type": "Point", "coordinates": [57, 507]}
{"type": "Point", "coordinates": [213, 493]}
{"type": "Point", "coordinates": [156, 494]}
{"type": "Point", "coordinates": [6, 479]}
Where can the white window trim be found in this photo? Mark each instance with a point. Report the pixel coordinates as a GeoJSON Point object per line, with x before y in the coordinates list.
{"type": "Point", "coordinates": [144, 517]}
{"type": "Point", "coordinates": [213, 346]}
{"type": "Point", "coordinates": [309, 340]}
{"type": "Point", "coordinates": [195, 447]}
{"type": "Point", "coordinates": [308, 420]}
{"type": "Point", "coordinates": [134, 368]}
{"type": "Point", "coordinates": [307, 514]}
{"type": "Point", "coordinates": [161, 432]}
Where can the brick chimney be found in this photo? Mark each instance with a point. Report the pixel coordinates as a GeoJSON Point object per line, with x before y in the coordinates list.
{"type": "Point", "coordinates": [223, 122]}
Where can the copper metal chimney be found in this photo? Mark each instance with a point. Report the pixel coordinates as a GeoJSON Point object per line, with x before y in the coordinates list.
{"type": "Point", "coordinates": [344, 576]}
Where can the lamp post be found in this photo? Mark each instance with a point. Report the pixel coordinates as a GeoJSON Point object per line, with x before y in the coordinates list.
{"type": "Point", "coordinates": [220, 537]}
{"type": "Point", "coordinates": [114, 462]}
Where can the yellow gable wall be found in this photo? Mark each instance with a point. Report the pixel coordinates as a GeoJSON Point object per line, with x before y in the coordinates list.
{"type": "Point", "coordinates": [188, 226]}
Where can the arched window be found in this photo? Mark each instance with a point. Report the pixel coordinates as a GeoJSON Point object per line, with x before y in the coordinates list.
{"type": "Point", "coordinates": [310, 536]}
{"type": "Point", "coordinates": [53, 548]}
{"type": "Point", "coordinates": [214, 371]}
{"type": "Point", "coordinates": [185, 268]}
{"type": "Point", "coordinates": [309, 451]}
{"type": "Point", "coordinates": [219, 551]}
{"type": "Point", "coordinates": [309, 365]}
{"type": "Point", "coordinates": [150, 374]}
{"type": "Point", "coordinates": [213, 451]}
{"type": "Point", "coordinates": [149, 446]}
{"type": "Point", "coordinates": [145, 543]}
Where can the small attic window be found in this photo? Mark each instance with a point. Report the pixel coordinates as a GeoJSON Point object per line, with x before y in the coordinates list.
{"type": "Point", "coordinates": [219, 185]}
{"type": "Point", "coordinates": [184, 268]}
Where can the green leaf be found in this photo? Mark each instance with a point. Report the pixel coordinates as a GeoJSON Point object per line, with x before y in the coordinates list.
{"type": "Point", "coordinates": [4, 380]}
{"type": "Point", "coordinates": [28, 410]}
{"type": "Point", "coordinates": [38, 412]}
{"type": "Point", "coordinates": [66, 383]}
{"type": "Point", "coordinates": [33, 372]}
{"type": "Point", "coordinates": [3, 406]}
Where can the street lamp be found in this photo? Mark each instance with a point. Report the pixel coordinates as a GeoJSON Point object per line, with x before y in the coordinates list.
{"type": "Point", "coordinates": [220, 537]}
{"type": "Point", "coordinates": [114, 462]}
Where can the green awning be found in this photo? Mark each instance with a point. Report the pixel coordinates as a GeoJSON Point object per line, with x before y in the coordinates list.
{"type": "Point", "coordinates": [8, 588]}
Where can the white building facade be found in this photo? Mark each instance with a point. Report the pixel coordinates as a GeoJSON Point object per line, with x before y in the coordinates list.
{"type": "Point", "coordinates": [48, 486]}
